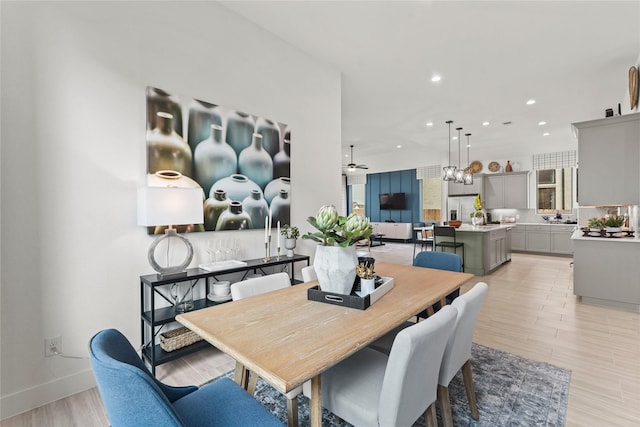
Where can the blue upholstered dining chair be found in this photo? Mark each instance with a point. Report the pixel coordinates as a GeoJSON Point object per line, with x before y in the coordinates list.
{"type": "Point", "coordinates": [133, 397]}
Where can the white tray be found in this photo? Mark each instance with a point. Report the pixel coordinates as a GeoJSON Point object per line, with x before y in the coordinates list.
{"type": "Point", "coordinates": [222, 265]}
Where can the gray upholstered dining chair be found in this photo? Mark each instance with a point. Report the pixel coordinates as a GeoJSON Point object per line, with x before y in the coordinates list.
{"type": "Point", "coordinates": [308, 274]}
{"type": "Point", "coordinates": [256, 286]}
{"type": "Point", "coordinates": [370, 388]}
{"type": "Point", "coordinates": [457, 354]}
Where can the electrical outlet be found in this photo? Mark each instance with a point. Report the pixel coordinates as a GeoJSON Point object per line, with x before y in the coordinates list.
{"type": "Point", "coordinates": [52, 346]}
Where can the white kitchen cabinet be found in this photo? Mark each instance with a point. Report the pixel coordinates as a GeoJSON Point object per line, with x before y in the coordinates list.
{"type": "Point", "coordinates": [561, 239]}
{"type": "Point", "coordinates": [518, 238]}
{"type": "Point", "coordinates": [461, 189]}
{"type": "Point", "coordinates": [609, 155]}
{"type": "Point", "coordinates": [538, 238]}
{"type": "Point", "coordinates": [506, 190]}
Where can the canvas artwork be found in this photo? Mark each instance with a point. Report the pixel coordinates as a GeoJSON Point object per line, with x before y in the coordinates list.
{"type": "Point", "coordinates": [241, 161]}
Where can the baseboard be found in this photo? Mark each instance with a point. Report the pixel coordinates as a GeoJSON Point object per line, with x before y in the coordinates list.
{"type": "Point", "coordinates": [34, 397]}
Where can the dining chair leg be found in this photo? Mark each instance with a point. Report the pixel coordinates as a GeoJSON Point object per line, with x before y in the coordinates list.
{"type": "Point", "coordinates": [445, 406]}
{"type": "Point", "coordinates": [430, 419]}
{"type": "Point", "coordinates": [467, 378]}
{"type": "Point", "coordinates": [253, 381]}
{"type": "Point", "coordinates": [292, 412]}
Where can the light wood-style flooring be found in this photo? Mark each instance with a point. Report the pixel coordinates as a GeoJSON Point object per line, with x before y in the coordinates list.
{"type": "Point", "coordinates": [530, 311]}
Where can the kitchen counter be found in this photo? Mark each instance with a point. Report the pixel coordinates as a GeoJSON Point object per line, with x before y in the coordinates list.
{"type": "Point", "coordinates": [606, 273]}
{"type": "Point", "coordinates": [486, 247]}
{"type": "Point", "coordinates": [484, 228]}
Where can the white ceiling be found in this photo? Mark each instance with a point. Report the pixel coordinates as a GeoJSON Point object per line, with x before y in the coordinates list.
{"type": "Point", "coordinates": [571, 57]}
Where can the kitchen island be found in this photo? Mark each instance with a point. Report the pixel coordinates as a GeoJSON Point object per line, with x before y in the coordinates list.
{"type": "Point", "coordinates": [606, 270]}
{"type": "Point", "coordinates": [487, 247]}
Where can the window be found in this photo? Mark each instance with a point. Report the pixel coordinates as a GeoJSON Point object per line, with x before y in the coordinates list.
{"type": "Point", "coordinates": [553, 190]}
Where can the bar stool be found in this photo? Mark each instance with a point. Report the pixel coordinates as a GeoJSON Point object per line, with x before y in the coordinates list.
{"type": "Point", "coordinates": [447, 231]}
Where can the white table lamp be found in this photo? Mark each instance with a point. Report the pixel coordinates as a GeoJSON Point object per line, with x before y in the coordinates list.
{"type": "Point", "coordinates": [170, 206]}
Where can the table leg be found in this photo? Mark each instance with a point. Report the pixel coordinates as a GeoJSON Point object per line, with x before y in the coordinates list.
{"type": "Point", "coordinates": [315, 403]}
{"type": "Point", "coordinates": [241, 375]}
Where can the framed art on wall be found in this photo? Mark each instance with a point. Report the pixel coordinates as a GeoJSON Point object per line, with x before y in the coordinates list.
{"type": "Point", "coordinates": [242, 162]}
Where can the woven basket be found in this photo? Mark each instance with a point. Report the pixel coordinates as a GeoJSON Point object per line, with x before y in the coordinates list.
{"type": "Point", "coordinates": [178, 338]}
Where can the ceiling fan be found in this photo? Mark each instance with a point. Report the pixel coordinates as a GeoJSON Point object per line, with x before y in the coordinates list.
{"type": "Point", "coordinates": [352, 166]}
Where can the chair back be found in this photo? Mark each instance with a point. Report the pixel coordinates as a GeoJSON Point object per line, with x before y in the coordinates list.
{"type": "Point", "coordinates": [309, 274]}
{"type": "Point", "coordinates": [130, 394]}
{"type": "Point", "coordinates": [444, 231]}
{"type": "Point", "coordinates": [259, 285]}
{"type": "Point", "coordinates": [458, 349]}
{"type": "Point", "coordinates": [410, 379]}
{"type": "Point", "coordinates": [438, 260]}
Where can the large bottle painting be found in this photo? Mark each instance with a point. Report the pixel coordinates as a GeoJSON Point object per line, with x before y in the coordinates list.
{"type": "Point", "coordinates": [241, 161]}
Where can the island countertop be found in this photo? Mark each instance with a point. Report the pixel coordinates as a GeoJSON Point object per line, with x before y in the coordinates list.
{"type": "Point", "coordinates": [484, 228]}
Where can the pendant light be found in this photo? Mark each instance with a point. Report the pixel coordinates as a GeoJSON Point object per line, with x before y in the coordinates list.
{"type": "Point", "coordinates": [449, 172]}
{"type": "Point", "coordinates": [459, 175]}
{"type": "Point", "coordinates": [468, 176]}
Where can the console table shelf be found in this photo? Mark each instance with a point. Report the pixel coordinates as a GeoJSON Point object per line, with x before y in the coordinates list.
{"type": "Point", "coordinates": [153, 320]}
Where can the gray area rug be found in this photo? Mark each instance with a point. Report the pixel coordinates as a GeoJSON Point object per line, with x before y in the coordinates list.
{"type": "Point", "coordinates": [511, 391]}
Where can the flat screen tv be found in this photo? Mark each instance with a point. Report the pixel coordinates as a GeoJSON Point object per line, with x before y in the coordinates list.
{"type": "Point", "coordinates": [392, 201]}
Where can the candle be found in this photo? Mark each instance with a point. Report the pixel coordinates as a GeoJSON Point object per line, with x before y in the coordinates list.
{"type": "Point", "coordinates": [278, 225]}
{"type": "Point", "coordinates": [266, 225]}
{"type": "Point", "coordinates": [270, 224]}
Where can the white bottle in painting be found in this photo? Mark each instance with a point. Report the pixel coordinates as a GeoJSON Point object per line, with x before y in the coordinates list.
{"type": "Point", "coordinates": [256, 206]}
{"type": "Point", "coordinates": [274, 187]}
{"type": "Point", "coordinates": [214, 159]}
{"type": "Point", "coordinates": [255, 163]}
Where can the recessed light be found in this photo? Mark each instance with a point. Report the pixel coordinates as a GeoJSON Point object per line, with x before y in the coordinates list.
{"type": "Point", "coordinates": [542, 123]}
{"type": "Point", "coordinates": [455, 138]}
{"type": "Point", "coordinates": [545, 134]}
{"type": "Point", "coordinates": [436, 78]}
{"type": "Point", "coordinates": [485, 123]}
{"type": "Point", "coordinates": [531, 102]}
{"type": "Point", "coordinates": [429, 124]}
{"type": "Point", "coordinates": [346, 155]}
{"type": "Point", "coordinates": [398, 146]}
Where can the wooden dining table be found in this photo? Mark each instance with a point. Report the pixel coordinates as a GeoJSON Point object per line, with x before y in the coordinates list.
{"type": "Point", "coordinates": [288, 339]}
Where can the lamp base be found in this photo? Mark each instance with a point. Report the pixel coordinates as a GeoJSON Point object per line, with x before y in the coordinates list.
{"type": "Point", "coordinates": [170, 270]}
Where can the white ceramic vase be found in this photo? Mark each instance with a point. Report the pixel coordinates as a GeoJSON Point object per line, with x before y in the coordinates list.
{"type": "Point", "coordinates": [336, 268]}
{"type": "Point", "coordinates": [289, 245]}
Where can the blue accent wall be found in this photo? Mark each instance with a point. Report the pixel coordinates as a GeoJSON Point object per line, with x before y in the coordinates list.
{"type": "Point", "coordinates": [393, 182]}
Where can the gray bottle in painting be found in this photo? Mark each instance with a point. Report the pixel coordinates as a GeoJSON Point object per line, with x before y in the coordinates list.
{"type": "Point", "coordinates": [234, 218]}
{"type": "Point", "coordinates": [281, 208]}
{"type": "Point", "coordinates": [166, 150]}
{"type": "Point", "coordinates": [240, 127]}
{"type": "Point", "coordinates": [282, 161]}
{"type": "Point", "coordinates": [236, 186]}
{"type": "Point", "coordinates": [214, 159]}
{"type": "Point", "coordinates": [274, 187]}
{"type": "Point", "coordinates": [201, 116]}
{"type": "Point", "coordinates": [270, 132]}
{"type": "Point", "coordinates": [255, 163]}
{"type": "Point", "coordinates": [214, 206]}
{"type": "Point", "coordinates": [257, 208]}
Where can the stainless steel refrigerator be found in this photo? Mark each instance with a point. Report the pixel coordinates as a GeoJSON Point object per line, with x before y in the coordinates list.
{"type": "Point", "coordinates": [460, 207]}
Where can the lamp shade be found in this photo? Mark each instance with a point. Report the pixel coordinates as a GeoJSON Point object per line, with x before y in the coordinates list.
{"type": "Point", "coordinates": [170, 206]}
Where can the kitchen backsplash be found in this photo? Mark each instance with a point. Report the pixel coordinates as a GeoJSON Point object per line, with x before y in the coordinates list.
{"type": "Point", "coordinates": [526, 215]}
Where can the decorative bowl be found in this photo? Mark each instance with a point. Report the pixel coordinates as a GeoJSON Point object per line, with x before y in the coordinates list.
{"type": "Point", "coordinates": [455, 224]}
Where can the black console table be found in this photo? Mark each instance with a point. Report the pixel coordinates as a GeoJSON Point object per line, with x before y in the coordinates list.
{"type": "Point", "coordinates": [153, 320]}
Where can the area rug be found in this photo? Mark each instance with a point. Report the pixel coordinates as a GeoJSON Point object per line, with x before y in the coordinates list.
{"type": "Point", "coordinates": [511, 391]}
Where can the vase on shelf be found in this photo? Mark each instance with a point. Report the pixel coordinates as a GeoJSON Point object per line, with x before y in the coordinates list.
{"type": "Point", "coordinates": [166, 150]}
{"type": "Point", "coordinates": [508, 168]}
{"type": "Point", "coordinates": [335, 267]}
{"type": "Point", "coordinates": [214, 159]}
{"type": "Point", "coordinates": [290, 245]}
{"type": "Point", "coordinates": [255, 163]}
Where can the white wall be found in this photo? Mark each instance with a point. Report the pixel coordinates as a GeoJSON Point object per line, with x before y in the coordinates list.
{"type": "Point", "coordinates": [73, 153]}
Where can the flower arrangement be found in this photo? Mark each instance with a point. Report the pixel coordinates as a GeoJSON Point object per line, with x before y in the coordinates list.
{"type": "Point", "coordinates": [614, 221]}
{"type": "Point", "coordinates": [336, 230]}
{"type": "Point", "coordinates": [290, 232]}
{"type": "Point", "coordinates": [478, 208]}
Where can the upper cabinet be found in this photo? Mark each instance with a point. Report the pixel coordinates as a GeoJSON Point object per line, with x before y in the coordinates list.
{"type": "Point", "coordinates": [609, 161]}
{"type": "Point", "coordinates": [461, 189]}
{"type": "Point", "coordinates": [506, 190]}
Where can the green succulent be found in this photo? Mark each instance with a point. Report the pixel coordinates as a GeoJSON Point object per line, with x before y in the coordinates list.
{"type": "Point", "coordinates": [290, 232]}
{"type": "Point", "coordinates": [614, 221]}
{"type": "Point", "coordinates": [336, 230]}
{"type": "Point", "coordinates": [595, 223]}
